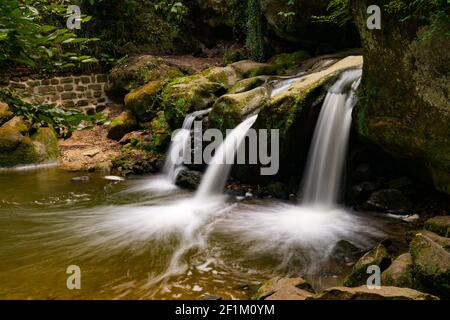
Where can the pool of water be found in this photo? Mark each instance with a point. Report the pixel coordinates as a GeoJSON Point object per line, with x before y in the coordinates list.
{"type": "Point", "coordinates": [140, 239]}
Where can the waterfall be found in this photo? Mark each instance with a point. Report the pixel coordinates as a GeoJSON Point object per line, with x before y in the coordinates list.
{"type": "Point", "coordinates": [329, 144]}
{"type": "Point", "coordinates": [218, 171]}
{"type": "Point", "coordinates": [179, 146]}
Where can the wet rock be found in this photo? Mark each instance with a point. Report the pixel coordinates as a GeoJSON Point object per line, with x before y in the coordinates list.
{"type": "Point", "coordinates": [209, 297]}
{"type": "Point", "coordinates": [431, 265]}
{"type": "Point", "coordinates": [278, 190]}
{"type": "Point", "coordinates": [189, 179]}
{"type": "Point", "coordinates": [378, 256]}
{"type": "Point", "coordinates": [284, 289]}
{"type": "Point", "coordinates": [364, 293]}
{"type": "Point", "coordinates": [362, 191]}
{"type": "Point", "coordinates": [144, 102]}
{"type": "Point", "coordinates": [235, 192]}
{"type": "Point", "coordinates": [248, 84]}
{"type": "Point", "coordinates": [389, 200]}
{"type": "Point", "coordinates": [439, 225]}
{"type": "Point", "coordinates": [345, 253]}
{"type": "Point", "coordinates": [399, 273]}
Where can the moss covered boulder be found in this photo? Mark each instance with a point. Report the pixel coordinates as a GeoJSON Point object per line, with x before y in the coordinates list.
{"type": "Point", "coordinates": [431, 265]}
{"type": "Point", "coordinates": [399, 273]}
{"type": "Point", "coordinates": [5, 113]}
{"type": "Point", "coordinates": [21, 145]}
{"type": "Point", "coordinates": [145, 102]}
{"type": "Point", "coordinates": [121, 125]}
{"type": "Point", "coordinates": [248, 84]}
{"type": "Point", "coordinates": [378, 256]}
{"type": "Point", "coordinates": [405, 108]}
{"type": "Point", "coordinates": [138, 71]}
{"type": "Point", "coordinates": [439, 225]}
{"type": "Point", "coordinates": [231, 109]}
{"type": "Point", "coordinates": [288, 61]}
{"type": "Point", "coordinates": [248, 68]}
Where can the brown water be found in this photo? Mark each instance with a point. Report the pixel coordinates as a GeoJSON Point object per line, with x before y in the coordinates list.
{"type": "Point", "coordinates": [135, 242]}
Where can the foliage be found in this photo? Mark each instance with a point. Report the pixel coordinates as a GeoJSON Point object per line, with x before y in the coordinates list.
{"type": "Point", "coordinates": [255, 37]}
{"type": "Point", "coordinates": [64, 121]}
{"type": "Point", "coordinates": [31, 35]}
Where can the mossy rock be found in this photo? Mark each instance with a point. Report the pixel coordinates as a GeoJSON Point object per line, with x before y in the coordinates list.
{"type": "Point", "coordinates": [439, 225]}
{"type": "Point", "coordinates": [378, 256]}
{"type": "Point", "coordinates": [39, 147]}
{"type": "Point", "coordinates": [121, 125]}
{"type": "Point", "coordinates": [227, 76]}
{"type": "Point", "coordinates": [12, 134]}
{"type": "Point", "coordinates": [404, 108]}
{"type": "Point", "coordinates": [248, 68]}
{"type": "Point", "coordinates": [138, 71]}
{"type": "Point", "coordinates": [248, 84]}
{"type": "Point", "coordinates": [145, 101]}
{"type": "Point", "coordinates": [431, 265]}
{"type": "Point", "coordinates": [159, 136]}
{"type": "Point", "coordinates": [187, 94]}
{"type": "Point", "coordinates": [5, 113]}
{"type": "Point", "coordinates": [231, 109]}
{"type": "Point", "coordinates": [287, 61]}
{"type": "Point", "coordinates": [399, 273]}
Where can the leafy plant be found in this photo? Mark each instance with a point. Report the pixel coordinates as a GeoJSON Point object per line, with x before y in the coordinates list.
{"type": "Point", "coordinates": [64, 121]}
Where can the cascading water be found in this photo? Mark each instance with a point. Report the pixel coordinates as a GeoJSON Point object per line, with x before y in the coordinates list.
{"type": "Point", "coordinates": [218, 171]}
{"type": "Point", "coordinates": [329, 144]}
{"type": "Point", "coordinates": [180, 145]}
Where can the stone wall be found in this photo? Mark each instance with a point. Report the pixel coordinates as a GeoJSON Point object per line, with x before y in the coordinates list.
{"type": "Point", "coordinates": [86, 92]}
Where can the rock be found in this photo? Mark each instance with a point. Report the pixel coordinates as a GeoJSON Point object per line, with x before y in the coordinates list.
{"type": "Point", "coordinates": [121, 125]}
{"type": "Point", "coordinates": [439, 225]}
{"type": "Point", "coordinates": [249, 68]}
{"type": "Point", "coordinates": [138, 71]}
{"type": "Point", "coordinates": [91, 152]}
{"type": "Point", "coordinates": [389, 200]}
{"type": "Point", "coordinates": [209, 297]}
{"type": "Point", "coordinates": [378, 256]}
{"type": "Point", "coordinates": [284, 289]}
{"type": "Point", "coordinates": [144, 102]}
{"type": "Point", "coordinates": [17, 147]}
{"type": "Point", "coordinates": [189, 179]}
{"type": "Point", "coordinates": [362, 191]}
{"type": "Point", "coordinates": [364, 293]}
{"type": "Point", "coordinates": [278, 190]}
{"type": "Point", "coordinates": [248, 84]}
{"type": "Point", "coordinates": [231, 109]}
{"type": "Point", "coordinates": [442, 241]}
{"type": "Point", "coordinates": [113, 178]}
{"type": "Point", "coordinates": [344, 253]}
{"type": "Point", "coordinates": [431, 265]}
{"type": "Point", "coordinates": [188, 94]}
{"type": "Point", "coordinates": [80, 179]}
{"type": "Point", "coordinates": [288, 61]}
{"type": "Point", "coordinates": [408, 116]}
{"type": "Point", "coordinates": [399, 273]}
{"type": "Point", "coordinates": [5, 113]}
{"type": "Point", "coordinates": [136, 161]}
{"type": "Point", "coordinates": [227, 76]}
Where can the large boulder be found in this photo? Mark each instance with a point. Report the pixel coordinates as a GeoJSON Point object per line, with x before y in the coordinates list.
{"type": "Point", "coordinates": [144, 102]}
{"type": "Point", "coordinates": [19, 147]}
{"type": "Point", "coordinates": [138, 71]}
{"type": "Point", "coordinates": [439, 225]}
{"type": "Point", "coordinates": [189, 179]}
{"type": "Point", "coordinates": [121, 125]}
{"type": "Point", "coordinates": [230, 109]}
{"type": "Point", "coordinates": [389, 200]}
{"type": "Point", "coordinates": [399, 273]}
{"type": "Point", "coordinates": [406, 87]}
{"type": "Point", "coordinates": [378, 256]}
{"type": "Point", "coordinates": [431, 265]}
{"type": "Point", "coordinates": [364, 293]}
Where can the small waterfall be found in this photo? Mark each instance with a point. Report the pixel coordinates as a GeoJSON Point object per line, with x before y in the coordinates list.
{"type": "Point", "coordinates": [218, 171]}
{"type": "Point", "coordinates": [329, 144]}
{"type": "Point", "coordinates": [180, 145]}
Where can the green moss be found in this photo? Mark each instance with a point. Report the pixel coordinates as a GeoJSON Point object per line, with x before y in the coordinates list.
{"type": "Point", "coordinates": [287, 61]}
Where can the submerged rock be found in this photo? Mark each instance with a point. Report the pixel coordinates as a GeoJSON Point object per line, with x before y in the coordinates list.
{"type": "Point", "coordinates": [399, 273]}
{"type": "Point", "coordinates": [378, 256]}
{"type": "Point", "coordinates": [439, 225]}
{"type": "Point", "coordinates": [364, 293]}
{"type": "Point", "coordinates": [389, 200]}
